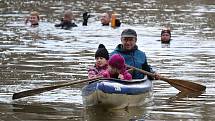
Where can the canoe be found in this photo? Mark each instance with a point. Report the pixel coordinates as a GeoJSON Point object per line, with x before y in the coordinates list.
{"type": "Point", "coordinates": [116, 94]}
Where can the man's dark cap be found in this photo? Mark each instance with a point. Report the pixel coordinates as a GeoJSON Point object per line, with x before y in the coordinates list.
{"type": "Point", "coordinates": [129, 33]}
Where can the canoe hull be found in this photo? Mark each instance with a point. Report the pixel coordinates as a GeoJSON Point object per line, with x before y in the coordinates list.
{"type": "Point", "coordinates": [116, 95]}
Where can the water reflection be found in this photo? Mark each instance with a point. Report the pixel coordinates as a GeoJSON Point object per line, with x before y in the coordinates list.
{"type": "Point", "coordinates": [45, 112]}
{"type": "Point", "coordinates": [182, 95]}
{"type": "Point", "coordinates": [34, 109]}
{"type": "Point", "coordinates": [130, 114]}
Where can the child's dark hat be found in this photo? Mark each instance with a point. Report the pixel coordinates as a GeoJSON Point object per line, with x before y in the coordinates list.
{"type": "Point", "coordinates": [102, 52]}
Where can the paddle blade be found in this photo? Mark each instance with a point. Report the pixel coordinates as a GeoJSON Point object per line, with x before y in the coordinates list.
{"type": "Point", "coordinates": [32, 92]}
{"type": "Point", "coordinates": [185, 85]}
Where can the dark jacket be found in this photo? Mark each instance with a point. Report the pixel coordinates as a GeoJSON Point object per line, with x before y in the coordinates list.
{"type": "Point", "coordinates": [66, 24]}
{"type": "Point", "coordinates": [135, 58]}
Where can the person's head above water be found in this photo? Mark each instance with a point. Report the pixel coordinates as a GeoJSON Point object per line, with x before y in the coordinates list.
{"type": "Point", "coordinates": [33, 18]}
{"type": "Point", "coordinates": [68, 15]}
{"type": "Point", "coordinates": [105, 19]}
{"type": "Point", "coordinates": [165, 36]}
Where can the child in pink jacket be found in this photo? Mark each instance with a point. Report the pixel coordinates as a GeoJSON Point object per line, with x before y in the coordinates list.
{"type": "Point", "coordinates": [117, 68]}
{"type": "Point", "coordinates": [101, 65]}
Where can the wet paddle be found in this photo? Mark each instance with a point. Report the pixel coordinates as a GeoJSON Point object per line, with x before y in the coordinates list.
{"type": "Point", "coordinates": [181, 85]}
{"type": "Point", "coordinates": [45, 89]}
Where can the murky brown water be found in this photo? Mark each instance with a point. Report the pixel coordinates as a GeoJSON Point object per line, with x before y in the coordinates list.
{"type": "Point", "coordinates": [36, 57]}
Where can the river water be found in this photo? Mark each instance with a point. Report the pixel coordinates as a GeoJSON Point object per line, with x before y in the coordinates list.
{"type": "Point", "coordinates": [36, 57]}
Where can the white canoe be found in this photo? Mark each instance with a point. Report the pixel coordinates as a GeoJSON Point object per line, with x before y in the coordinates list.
{"type": "Point", "coordinates": [116, 94]}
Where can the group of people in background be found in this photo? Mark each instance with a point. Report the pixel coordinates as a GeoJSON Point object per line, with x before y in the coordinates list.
{"type": "Point", "coordinates": [106, 19]}
{"type": "Point", "coordinates": [68, 18]}
{"type": "Point", "coordinates": [112, 65]}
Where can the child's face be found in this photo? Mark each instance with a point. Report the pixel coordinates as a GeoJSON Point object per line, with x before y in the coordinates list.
{"type": "Point", "coordinates": [34, 19]}
{"type": "Point", "coordinates": [165, 37]}
{"type": "Point", "coordinates": [100, 61]}
{"type": "Point", "coordinates": [113, 70]}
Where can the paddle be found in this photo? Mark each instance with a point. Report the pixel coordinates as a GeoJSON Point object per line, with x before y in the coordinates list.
{"type": "Point", "coordinates": [45, 89]}
{"type": "Point", "coordinates": [182, 85]}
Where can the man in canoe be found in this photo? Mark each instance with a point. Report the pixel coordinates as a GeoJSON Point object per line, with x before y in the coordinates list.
{"type": "Point", "coordinates": [132, 55]}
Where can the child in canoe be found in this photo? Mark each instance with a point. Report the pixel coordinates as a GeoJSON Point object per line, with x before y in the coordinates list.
{"type": "Point", "coordinates": [101, 65]}
{"type": "Point", "coordinates": [117, 68]}
{"type": "Point", "coordinates": [108, 68]}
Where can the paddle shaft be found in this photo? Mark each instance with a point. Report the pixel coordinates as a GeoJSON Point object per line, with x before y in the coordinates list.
{"type": "Point", "coordinates": [45, 89]}
{"type": "Point", "coordinates": [181, 85]}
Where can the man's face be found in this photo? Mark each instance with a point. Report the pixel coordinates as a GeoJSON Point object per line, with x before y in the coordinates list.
{"type": "Point", "coordinates": [34, 19]}
{"type": "Point", "coordinates": [165, 37]}
{"type": "Point", "coordinates": [105, 19]}
{"type": "Point", "coordinates": [128, 42]}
